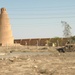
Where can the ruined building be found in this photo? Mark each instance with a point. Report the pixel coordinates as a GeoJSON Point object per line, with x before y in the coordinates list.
{"type": "Point", "coordinates": [6, 37]}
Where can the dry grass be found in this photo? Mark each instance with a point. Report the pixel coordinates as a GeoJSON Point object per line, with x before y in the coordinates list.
{"type": "Point", "coordinates": [51, 64]}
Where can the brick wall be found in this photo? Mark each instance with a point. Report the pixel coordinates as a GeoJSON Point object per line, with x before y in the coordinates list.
{"type": "Point", "coordinates": [40, 41]}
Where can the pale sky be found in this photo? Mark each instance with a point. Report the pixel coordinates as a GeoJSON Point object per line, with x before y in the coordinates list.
{"type": "Point", "coordinates": [39, 18]}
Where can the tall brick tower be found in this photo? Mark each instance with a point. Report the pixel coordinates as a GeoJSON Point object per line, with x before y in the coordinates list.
{"type": "Point", "coordinates": [6, 37]}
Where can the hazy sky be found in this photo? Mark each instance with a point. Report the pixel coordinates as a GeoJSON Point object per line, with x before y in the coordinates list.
{"type": "Point", "coordinates": [39, 18]}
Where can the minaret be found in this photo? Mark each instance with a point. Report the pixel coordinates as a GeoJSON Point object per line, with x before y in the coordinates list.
{"type": "Point", "coordinates": [6, 37]}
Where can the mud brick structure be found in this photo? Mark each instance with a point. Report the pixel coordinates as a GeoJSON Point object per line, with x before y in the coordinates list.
{"type": "Point", "coordinates": [40, 41]}
{"type": "Point", "coordinates": [6, 37]}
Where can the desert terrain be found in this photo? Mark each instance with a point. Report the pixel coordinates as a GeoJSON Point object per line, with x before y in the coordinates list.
{"type": "Point", "coordinates": [33, 60]}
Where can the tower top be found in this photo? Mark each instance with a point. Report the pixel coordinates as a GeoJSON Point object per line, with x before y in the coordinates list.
{"type": "Point", "coordinates": [3, 10]}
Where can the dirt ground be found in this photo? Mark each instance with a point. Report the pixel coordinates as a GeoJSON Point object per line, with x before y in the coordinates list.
{"type": "Point", "coordinates": [54, 63]}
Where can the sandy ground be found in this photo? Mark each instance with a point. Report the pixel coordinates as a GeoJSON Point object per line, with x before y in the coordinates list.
{"type": "Point", "coordinates": [53, 63]}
